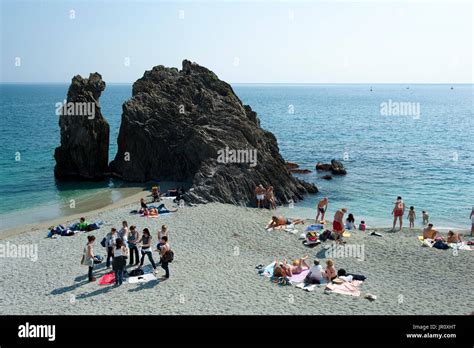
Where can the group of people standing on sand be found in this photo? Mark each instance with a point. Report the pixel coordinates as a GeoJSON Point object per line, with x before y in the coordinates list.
{"type": "Point", "coordinates": [265, 197]}
{"type": "Point", "coordinates": [127, 243]}
{"type": "Point", "coordinates": [399, 210]}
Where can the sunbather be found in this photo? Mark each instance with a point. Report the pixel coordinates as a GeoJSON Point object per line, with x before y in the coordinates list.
{"type": "Point", "coordinates": [330, 272]}
{"type": "Point", "coordinates": [278, 221]}
{"type": "Point", "coordinates": [296, 267]}
{"type": "Point", "coordinates": [453, 237]}
{"type": "Point", "coordinates": [314, 274]}
{"type": "Point", "coordinates": [429, 232]}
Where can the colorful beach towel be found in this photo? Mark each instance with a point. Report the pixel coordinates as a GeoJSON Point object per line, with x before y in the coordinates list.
{"type": "Point", "coordinates": [107, 279]}
{"type": "Point", "coordinates": [346, 288]}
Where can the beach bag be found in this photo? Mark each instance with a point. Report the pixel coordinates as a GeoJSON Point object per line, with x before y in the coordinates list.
{"type": "Point", "coordinates": [136, 272]}
{"type": "Point", "coordinates": [440, 245]}
{"type": "Point", "coordinates": [311, 236]}
{"type": "Point", "coordinates": [325, 235]}
{"type": "Point", "coordinates": [102, 242]}
{"type": "Point", "coordinates": [98, 259]}
{"type": "Point", "coordinates": [168, 256]}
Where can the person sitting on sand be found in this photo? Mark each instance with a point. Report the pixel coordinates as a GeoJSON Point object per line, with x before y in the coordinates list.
{"type": "Point", "coordinates": [88, 258]}
{"type": "Point", "coordinates": [82, 225]}
{"type": "Point", "coordinates": [411, 216]}
{"type": "Point", "coordinates": [350, 222]}
{"type": "Point", "coordinates": [143, 205]}
{"type": "Point", "coordinates": [330, 272]}
{"type": "Point", "coordinates": [453, 237]}
{"type": "Point", "coordinates": [145, 240]}
{"type": "Point", "coordinates": [315, 273]}
{"type": "Point", "coordinates": [397, 212]}
{"type": "Point", "coordinates": [150, 212]}
{"type": "Point", "coordinates": [155, 193]}
{"type": "Point", "coordinates": [362, 226]}
{"type": "Point", "coordinates": [429, 232]}
{"type": "Point", "coordinates": [278, 221]}
{"type": "Point", "coordinates": [270, 197]}
{"type": "Point", "coordinates": [322, 207]}
{"type": "Point", "coordinates": [260, 195]}
{"type": "Point", "coordinates": [337, 224]}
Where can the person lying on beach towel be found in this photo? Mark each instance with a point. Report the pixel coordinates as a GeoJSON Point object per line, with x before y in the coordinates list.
{"type": "Point", "coordinates": [282, 222]}
{"type": "Point", "coordinates": [287, 270]}
{"type": "Point", "coordinates": [152, 211]}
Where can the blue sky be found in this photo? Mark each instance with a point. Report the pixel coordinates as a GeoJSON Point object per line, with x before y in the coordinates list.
{"type": "Point", "coordinates": [242, 41]}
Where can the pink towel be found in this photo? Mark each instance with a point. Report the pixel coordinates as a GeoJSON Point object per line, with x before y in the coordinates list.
{"type": "Point", "coordinates": [107, 279]}
{"type": "Point", "coordinates": [346, 288]}
{"type": "Point", "coordinates": [298, 278]}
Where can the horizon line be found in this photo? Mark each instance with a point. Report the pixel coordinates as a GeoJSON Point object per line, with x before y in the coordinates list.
{"type": "Point", "coordinates": [262, 83]}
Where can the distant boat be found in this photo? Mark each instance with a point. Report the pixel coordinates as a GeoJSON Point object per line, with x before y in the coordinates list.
{"type": "Point", "coordinates": [371, 89]}
{"type": "Point", "coordinates": [408, 87]}
{"type": "Point", "coordinates": [452, 87]}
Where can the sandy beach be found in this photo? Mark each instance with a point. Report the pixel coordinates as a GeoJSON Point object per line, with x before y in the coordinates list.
{"type": "Point", "coordinates": [217, 248]}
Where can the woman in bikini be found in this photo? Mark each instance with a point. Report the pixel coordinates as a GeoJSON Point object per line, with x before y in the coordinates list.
{"type": "Point", "coordinates": [330, 271]}
{"type": "Point", "coordinates": [397, 212]}
{"type": "Point", "coordinates": [296, 267]}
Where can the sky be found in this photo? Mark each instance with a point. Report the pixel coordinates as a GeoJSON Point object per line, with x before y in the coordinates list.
{"type": "Point", "coordinates": [347, 41]}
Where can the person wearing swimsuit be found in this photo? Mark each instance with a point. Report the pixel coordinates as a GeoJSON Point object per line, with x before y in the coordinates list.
{"type": "Point", "coordinates": [397, 212]}
{"type": "Point", "coordinates": [322, 207]}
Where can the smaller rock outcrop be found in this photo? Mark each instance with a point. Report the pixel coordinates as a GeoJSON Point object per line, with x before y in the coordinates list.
{"type": "Point", "coordinates": [84, 149]}
{"type": "Point", "coordinates": [326, 177]}
{"type": "Point", "coordinates": [336, 167]}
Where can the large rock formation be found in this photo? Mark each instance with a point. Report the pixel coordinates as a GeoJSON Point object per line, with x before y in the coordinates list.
{"type": "Point", "coordinates": [190, 126]}
{"type": "Point", "coordinates": [84, 149]}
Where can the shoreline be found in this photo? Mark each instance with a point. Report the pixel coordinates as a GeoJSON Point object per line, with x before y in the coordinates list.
{"type": "Point", "coordinates": [134, 199]}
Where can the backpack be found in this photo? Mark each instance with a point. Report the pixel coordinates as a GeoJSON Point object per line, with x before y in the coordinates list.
{"type": "Point", "coordinates": [168, 256]}
{"type": "Point", "coordinates": [312, 236]}
{"type": "Point", "coordinates": [102, 242]}
{"type": "Point", "coordinates": [136, 272]}
{"type": "Point", "coordinates": [325, 235]}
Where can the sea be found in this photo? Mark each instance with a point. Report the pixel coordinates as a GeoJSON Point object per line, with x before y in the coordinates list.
{"type": "Point", "coordinates": [409, 140]}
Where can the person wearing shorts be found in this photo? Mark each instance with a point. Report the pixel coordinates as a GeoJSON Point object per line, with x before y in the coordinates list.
{"type": "Point", "coordinates": [397, 212]}
{"type": "Point", "coordinates": [260, 195]}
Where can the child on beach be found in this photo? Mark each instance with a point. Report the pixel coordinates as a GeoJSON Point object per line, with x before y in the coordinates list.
{"type": "Point", "coordinates": [426, 217]}
{"type": "Point", "coordinates": [411, 216]}
{"type": "Point", "coordinates": [362, 226]}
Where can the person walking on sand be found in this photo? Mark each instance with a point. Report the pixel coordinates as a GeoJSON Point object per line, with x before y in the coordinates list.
{"type": "Point", "coordinates": [119, 261]}
{"type": "Point", "coordinates": [397, 212]}
{"type": "Point", "coordinates": [145, 240]}
{"type": "Point", "coordinates": [133, 238]}
{"type": "Point", "coordinates": [472, 221]}
{"type": "Point", "coordinates": [270, 197]}
{"type": "Point", "coordinates": [88, 257]}
{"type": "Point", "coordinates": [260, 195]}
{"type": "Point", "coordinates": [165, 256]}
{"type": "Point", "coordinates": [322, 207]}
{"type": "Point", "coordinates": [110, 240]}
{"type": "Point", "coordinates": [411, 217]}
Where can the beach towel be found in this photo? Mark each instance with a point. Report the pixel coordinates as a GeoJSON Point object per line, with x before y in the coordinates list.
{"type": "Point", "coordinates": [306, 287]}
{"type": "Point", "coordinates": [142, 279]}
{"type": "Point", "coordinates": [345, 288]}
{"type": "Point", "coordinates": [107, 279]}
{"type": "Point", "coordinates": [267, 271]}
{"type": "Point", "coordinates": [298, 278]}
{"type": "Point", "coordinates": [315, 228]}
{"type": "Point", "coordinates": [346, 234]}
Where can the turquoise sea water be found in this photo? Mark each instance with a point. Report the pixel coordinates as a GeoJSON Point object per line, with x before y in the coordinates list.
{"type": "Point", "coordinates": [428, 160]}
